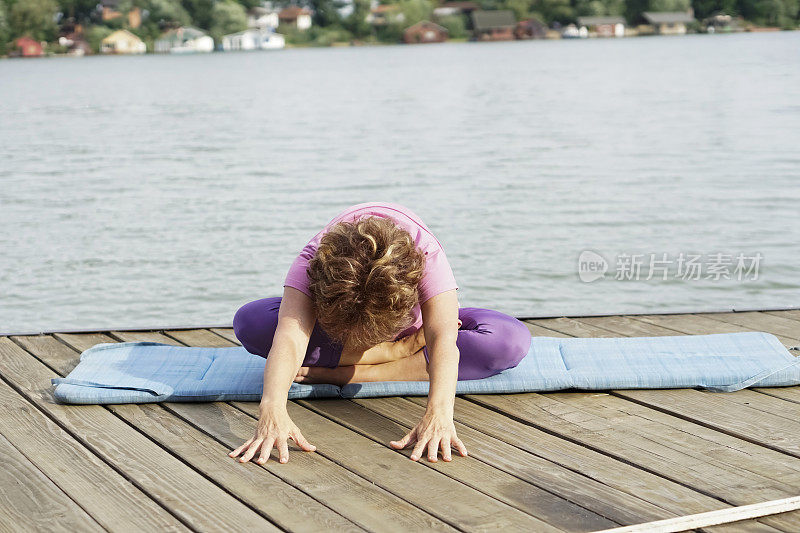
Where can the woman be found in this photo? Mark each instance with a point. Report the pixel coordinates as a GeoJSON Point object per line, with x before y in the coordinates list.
{"type": "Point", "coordinates": [372, 298]}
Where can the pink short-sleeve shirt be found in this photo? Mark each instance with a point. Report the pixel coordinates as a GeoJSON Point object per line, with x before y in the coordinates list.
{"type": "Point", "coordinates": [438, 276]}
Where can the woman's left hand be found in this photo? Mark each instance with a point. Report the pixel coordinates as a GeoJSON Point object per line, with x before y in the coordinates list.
{"type": "Point", "coordinates": [435, 430]}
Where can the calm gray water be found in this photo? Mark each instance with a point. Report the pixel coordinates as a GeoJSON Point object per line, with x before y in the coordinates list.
{"type": "Point", "coordinates": [165, 190]}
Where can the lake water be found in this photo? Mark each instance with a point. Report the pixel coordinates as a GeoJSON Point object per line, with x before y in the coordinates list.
{"type": "Point", "coordinates": [166, 190]}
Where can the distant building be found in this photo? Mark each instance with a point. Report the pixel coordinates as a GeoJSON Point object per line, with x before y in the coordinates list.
{"type": "Point", "coordinates": [75, 44]}
{"type": "Point", "coordinates": [669, 22]}
{"type": "Point", "coordinates": [384, 14]}
{"type": "Point", "coordinates": [720, 22]}
{"type": "Point", "coordinates": [184, 40]}
{"type": "Point", "coordinates": [604, 26]}
{"type": "Point", "coordinates": [425, 32]}
{"type": "Point", "coordinates": [80, 48]}
{"type": "Point", "coordinates": [262, 18]}
{"type": "Point", "coordinates": [455, 8]}
{"type": "Point", "coordinates": [571, 31]}
{"type": "Point", "coordinates": [122, 42]}
{"type": "Point", "coordinates": [530, 29]}
{"type": "Point", "coordinates": [298, 17]}
{"type": "Point", "coordinates": [109, 10]}
{"type": "Point", "coordinates": [27, 47]}
{"type": "Point", "coordinates": [495, 25]}
{"type": "Point", "coordinates": [253, 40]}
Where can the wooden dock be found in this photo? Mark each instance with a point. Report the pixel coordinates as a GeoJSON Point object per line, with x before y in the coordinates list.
{"type": "Point", "coordinates": [566, 461]}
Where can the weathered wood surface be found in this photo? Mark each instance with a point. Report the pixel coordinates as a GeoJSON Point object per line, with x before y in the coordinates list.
{"type": "Point", "coordinates": [563, 461]}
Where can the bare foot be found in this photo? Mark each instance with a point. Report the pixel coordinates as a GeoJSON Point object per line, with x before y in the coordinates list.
{"type": "Point", "coordinates": [341, 375]}
{"type": "Point", "coordinates": [409, 345]}
{"type": "Point", "coordinates": [413, 343]}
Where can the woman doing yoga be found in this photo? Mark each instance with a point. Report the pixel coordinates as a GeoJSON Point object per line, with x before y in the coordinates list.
{"type": "Point", "coordinates": [372, 297]}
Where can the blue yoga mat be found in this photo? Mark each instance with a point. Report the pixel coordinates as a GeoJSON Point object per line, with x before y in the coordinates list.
{"type": "Point", "coordinates": [142, 372]}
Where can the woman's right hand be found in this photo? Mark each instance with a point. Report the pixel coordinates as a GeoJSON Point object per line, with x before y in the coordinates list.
{"type": "Point", "coordinates": [274, 428]}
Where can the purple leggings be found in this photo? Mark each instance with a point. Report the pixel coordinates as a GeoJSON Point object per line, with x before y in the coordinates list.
{"type": "Point", "coordinates": [488, 341]}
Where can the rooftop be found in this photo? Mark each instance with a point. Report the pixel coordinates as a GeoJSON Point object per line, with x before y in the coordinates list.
{"type": "Point", "coordinates": [182, 34]}
{"type": "Point", "coordinates": [486, 20]}
{"type": "Point", "coordinates": [597, 21]}
{"type": "Point", "coordinates": [668, 17]}
{"type": "Point", "coordinates": [292, 12]}
{"type": "Point", "coordinates": [563, 461]}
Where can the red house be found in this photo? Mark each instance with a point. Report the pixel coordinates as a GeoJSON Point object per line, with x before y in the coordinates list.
{"type": "Point", "coordinates": [27, 47]}
{"type": "Point", "coordinates": [425, 32]}
{"type": "Point", "coordinates": [495, 25]}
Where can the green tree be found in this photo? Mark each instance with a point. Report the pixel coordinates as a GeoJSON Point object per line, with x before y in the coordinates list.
{"type": "Point", "coordinates": [167, 13]}
{"type": "Point", "coordinates": [521, 8]}
{"type": "Point", "coordinates": [670, 5]}
{"type": "Point", "coordinates": [35, 18]}
{"type": "Point", "coordinates": [584, 8]}
{"type": "Point", "coordinates": [200, 11]}
{"type": "Point", "coordinates": [95, 35]}
{"type": "Point", "coordinates": [80, 10]}
{"type": "Point", "coordinates": [326, 12]}
{"type": "Point", "coordinates": [227, 17]}
{"type": "Point", "coordinates": [634, 10]}
{"type": "Point", "coordinates": [456, 26]}
{"type": "Point", "coordinates": [782, 13]}
{"type": "Point", "coordinates": [554, 10]}
{"type": "Point", "coordinates": [415, 10]}
{"type": "Point", "coordinates": [706, 8]}
{"type": "Point", "coordinates": [356, 22]}
{"type": "Point", "coordinates": [5, 34]}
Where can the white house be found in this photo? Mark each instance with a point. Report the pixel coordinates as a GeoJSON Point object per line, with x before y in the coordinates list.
{"type": "Point", "coordinates": [253, 40]}
{"type": "Point", "coordinates": [603, 26]}
{"type": "Point", "coordinates": [669, 22]}
{"type": "Point", "coordinates": [298, 17]}
{"type": "Point", "coordinates": [261, 18]}
{"type": "Point", "coordinates": [184, 40]}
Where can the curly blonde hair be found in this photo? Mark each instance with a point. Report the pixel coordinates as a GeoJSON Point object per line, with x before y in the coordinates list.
{"type": "Point", "coordinates": [363, 280]}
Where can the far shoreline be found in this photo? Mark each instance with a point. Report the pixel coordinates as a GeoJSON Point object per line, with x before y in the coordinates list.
{"type": "Point", "coordinates": [365, 44]}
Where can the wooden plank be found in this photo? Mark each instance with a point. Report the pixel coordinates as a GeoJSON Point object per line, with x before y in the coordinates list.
{"type": "Point", "coordinates": [100, 490]}
{"type": "Point", "coordinates": [515, 490]}
{"type": "Point", "coordinates": [611, 327]}
{"type": "Point", "coordinates": [200, 337]}
{"type": "Point", "coordinates": [698, 325]}
{"type": "Point", "coordinates": [623, 508]}
{"type": "Point", "coordinates": [196, 500]}
{"type": "Point", "coordinates": [449, 500]}
{"type": "Point", "coordinates": [695, 484]}
{"type": "Point", "coordinates": [721, 516]}
{"type": "Point", "coordinates": [226, 333]}
{"type": "Point", "coordinates": [337, 487]}
{"type": "Point", "coordinates": [729, 413]}
{"type": "Point", "coordinates": [207, 338]}
{"type": "Point", "coordinates": [791, 394]}
{"type": "Point", "coordinates": [539, 331]}
{"type": "Point", "coordinates": [625, 326]}
{"type": "Point", "coordinates": [287, 506]}
{"type": "Point", "coordinates": [571, 327]}
{"type": "Point", "coordinates": [603, 449]}
{"type": "Point", "coordinates": [793, 314]}
{"type": "Point", "coordinates": [143, 336]}
{"type": "Point", "coordinates": [81, 342]}
{"type": "Point", "coordinates": [725, 414]}
{"type": "Point", "coordinates": [63, 361]}
{"type": "Point", "coordinates": [29, 501]}
{"type": "Point", "coordinates": [340, 489]}
{"type": "Point", "coordinates": [718, 454]}
{"type": "Point", "coordinates": [777, 325]}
